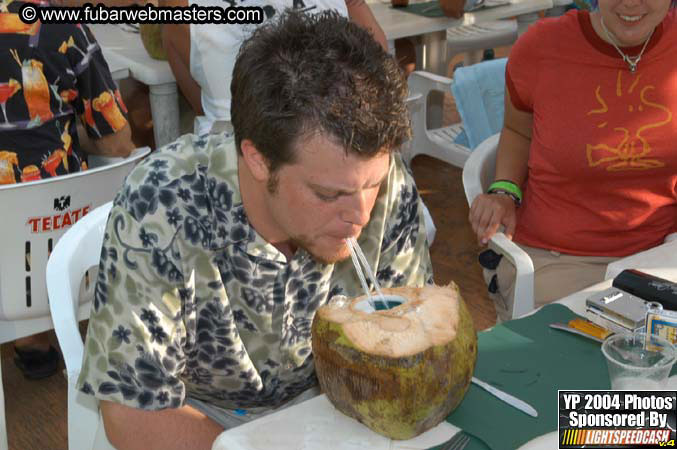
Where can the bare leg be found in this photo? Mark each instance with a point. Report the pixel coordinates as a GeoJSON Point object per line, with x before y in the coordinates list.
{"type": "Point", "coordinates": [35, 357]}
{"type": "Point", "coordinates": [38, 342]}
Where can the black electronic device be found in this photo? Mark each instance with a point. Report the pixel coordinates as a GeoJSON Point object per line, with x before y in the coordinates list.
{"type": "Point", "coordinates": [648, 287]}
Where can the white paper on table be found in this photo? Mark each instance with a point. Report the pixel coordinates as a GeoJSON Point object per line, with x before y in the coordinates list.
{"type": "Point", "coordinates": [544, 442]}
{"type": "Point", "coordinates": [316, 424]}
{"type": "Point", "coordinates": [659, 261]}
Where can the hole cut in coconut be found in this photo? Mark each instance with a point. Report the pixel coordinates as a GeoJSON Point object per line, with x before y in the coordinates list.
{"type": "Point", "coordinates": [379, 303]}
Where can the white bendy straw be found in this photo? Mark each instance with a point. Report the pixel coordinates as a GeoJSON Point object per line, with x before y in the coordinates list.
{"type": "Point", "coordinates": [358, 257]}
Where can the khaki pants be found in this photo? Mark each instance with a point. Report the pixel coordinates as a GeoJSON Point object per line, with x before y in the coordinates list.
{"type": "Point", "coordinates": [556, 275]}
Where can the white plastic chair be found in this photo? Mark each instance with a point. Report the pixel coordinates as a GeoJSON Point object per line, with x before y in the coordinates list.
{"type": "Point", "coordinates": [478, 174]}
{"type": "Point", "coordinates": [76, 252]}
{"type": "Point", "coordinates": [470, 40]}
{"type": "Point", "coordinates": [440, 142]}
{"type": "Point", "coordinates": [38, 214]}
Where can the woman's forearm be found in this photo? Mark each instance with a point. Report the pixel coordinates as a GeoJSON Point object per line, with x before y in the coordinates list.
{"type": "Point", "coordinates": [360, 13]}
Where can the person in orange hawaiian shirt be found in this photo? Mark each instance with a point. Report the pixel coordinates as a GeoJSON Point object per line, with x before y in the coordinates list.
{"type": "Point", "coordinates": [51, 75]}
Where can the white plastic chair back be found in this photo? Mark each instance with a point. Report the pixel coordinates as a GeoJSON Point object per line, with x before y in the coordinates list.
{"type": "Point", "coordinates": [480, 86]}
{"type": "Point", "coordinates": [77, 251]}
{"type": "Point", "coordinates": [478, 174]}
{"type": "Point", "coordinates": [38, 214]}
{"type": "Point", "coordinates": [438, 143]}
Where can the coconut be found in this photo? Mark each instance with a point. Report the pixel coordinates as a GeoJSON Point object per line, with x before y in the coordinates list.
{"type": "Point", "coordinates": [151, 37]}
{"type": "Point", "coordinates": [399, 371]}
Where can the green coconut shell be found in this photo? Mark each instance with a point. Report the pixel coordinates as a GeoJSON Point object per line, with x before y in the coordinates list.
{"type": "Point", "coordinates": [394, 391]}
{"type": "Point", "coordinates": [151, 36]}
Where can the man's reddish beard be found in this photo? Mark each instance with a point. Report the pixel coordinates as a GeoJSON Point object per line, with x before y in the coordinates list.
{"type": "Point", "coordinates": [308, 244]}
{"type": "Point", "coordinates": [303, 241]}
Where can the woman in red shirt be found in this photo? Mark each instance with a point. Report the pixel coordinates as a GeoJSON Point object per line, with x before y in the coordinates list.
{"type": "Point", "coordinates": [589, 139]}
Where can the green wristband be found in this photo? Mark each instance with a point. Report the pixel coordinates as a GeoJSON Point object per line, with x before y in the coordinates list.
{"type": "Point", "coordinates": [507, 186]}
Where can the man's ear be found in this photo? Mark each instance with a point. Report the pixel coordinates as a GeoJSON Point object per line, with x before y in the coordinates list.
{"type": "Point", "coordinates": [255, 161]}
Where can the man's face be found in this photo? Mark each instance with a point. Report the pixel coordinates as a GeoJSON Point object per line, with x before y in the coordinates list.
{"type": "Point", "coordinates": [325, 196]}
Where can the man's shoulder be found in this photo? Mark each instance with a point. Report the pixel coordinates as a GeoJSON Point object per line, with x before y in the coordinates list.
{"type": "Point", "coordinates": [181, 175]}
{"type": "Point", "coordinates": [399, 175]}
{"type": "Point", "coordinates": [395, 197]}
{"type": "Point", "coordinates": [186, 155]}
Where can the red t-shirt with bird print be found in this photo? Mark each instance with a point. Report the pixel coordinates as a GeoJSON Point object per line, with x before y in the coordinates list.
{"type": "Point", "coordinates": [602, 178]}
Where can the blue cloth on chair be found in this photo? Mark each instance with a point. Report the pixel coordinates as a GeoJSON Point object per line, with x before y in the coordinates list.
{"type": "Point", "coordinates": [478, 91]}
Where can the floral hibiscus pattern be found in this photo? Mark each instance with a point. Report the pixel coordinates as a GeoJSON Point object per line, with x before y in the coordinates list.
{"type": "Point", "coordinates": [191, 301]}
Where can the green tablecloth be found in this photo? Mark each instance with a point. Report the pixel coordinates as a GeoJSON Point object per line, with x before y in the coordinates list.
{"type": "Point", "coordinates": [530, 360]}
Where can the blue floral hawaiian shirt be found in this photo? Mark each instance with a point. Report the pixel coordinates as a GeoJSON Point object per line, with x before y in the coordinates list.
{"type": "Point", "coordinates": [191, 301]}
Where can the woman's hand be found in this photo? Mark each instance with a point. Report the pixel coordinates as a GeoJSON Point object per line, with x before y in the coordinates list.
{"type": "Point", "coordinates": [488, 212]}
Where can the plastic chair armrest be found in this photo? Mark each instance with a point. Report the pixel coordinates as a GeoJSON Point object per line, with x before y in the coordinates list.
{"type": "Point", "coordinates": [424, 82]}
{"type": "Point", "coordinates": [63, 305]}
{"type": "Point", "coordinates": [414, 98]}
{"type": "Point", "coordinates": [64, 318]}
{"type": "Point", "coordinates": [478, 172]}
{"type": "Point", "coordinates": [524, 273]}
{"type": "Point", "coordinates": [64, 288]}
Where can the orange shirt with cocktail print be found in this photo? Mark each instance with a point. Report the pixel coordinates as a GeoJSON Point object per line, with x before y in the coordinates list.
{"type": "Point", "coordinates": [602, 178]}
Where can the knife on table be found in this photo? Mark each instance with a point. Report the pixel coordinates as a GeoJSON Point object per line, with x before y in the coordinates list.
{"type": "Point", "coordinates": [509, 399]}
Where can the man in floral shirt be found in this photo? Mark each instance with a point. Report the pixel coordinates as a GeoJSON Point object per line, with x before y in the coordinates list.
{"type": "Point", "coordinates": [219, 250]}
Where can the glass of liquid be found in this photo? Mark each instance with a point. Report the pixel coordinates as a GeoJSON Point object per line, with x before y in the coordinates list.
{"type": "Point", "coordinates": [638, 361]}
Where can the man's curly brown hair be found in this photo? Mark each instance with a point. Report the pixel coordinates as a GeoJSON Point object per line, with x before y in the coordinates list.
{"type": "Point", "coordinates": [316, 73]}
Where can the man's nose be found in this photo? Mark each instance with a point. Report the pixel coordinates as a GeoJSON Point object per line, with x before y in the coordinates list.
{"type": "Point", "coordinates": [358, 209]}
